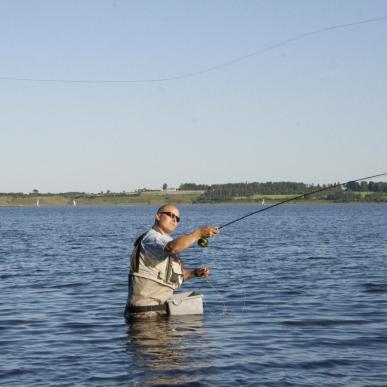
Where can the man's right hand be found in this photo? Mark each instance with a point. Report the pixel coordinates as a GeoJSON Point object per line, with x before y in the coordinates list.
{"type": "Point", "coordinates": [207, 232]}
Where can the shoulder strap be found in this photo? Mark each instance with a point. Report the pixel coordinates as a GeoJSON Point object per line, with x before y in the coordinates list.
{"type": "Point", "coordinates": [137, 246]}
{"type": "Point", "coordinates": [139, 239]}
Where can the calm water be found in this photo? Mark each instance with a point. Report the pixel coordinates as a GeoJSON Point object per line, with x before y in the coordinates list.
{"type": "Point", "coordinates": [297, 297]}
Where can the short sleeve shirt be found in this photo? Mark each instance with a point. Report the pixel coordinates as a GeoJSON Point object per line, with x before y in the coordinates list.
{"type": "Point", "coordinates": [154, 244]}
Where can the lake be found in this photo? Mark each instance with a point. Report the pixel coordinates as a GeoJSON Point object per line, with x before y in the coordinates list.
{"type": "Point", "coordinates": [297, 296]}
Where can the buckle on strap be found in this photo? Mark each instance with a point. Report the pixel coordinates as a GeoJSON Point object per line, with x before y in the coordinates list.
{"type": "Point", "coordinates": [147, 308]}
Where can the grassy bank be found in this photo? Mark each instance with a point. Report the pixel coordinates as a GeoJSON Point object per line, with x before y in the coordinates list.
{"type": "Point", "coordinates": [157, 197]}
{"type": "Point", "coordinates": [152, 197]}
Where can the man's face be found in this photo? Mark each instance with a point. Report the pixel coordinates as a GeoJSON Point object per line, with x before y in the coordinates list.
{"type": "Point", "coordinates": [168, 219]}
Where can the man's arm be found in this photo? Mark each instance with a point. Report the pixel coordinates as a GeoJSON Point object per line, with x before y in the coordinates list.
{"type": "Point", "coordinates": [182, 243]}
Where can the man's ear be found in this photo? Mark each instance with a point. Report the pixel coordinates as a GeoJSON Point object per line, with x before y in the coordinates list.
{"type": "Point", "coordinates": [158, 216]}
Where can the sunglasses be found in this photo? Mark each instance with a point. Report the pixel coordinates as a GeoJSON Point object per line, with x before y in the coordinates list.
{"type": "Point", "coordinates": [171, 215]}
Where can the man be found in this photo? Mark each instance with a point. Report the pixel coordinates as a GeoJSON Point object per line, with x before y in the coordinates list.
{"type": "Point", "coordinates": [155, 268]}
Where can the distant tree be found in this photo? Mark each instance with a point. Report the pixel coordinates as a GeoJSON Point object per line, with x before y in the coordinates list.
{"type": "Point", "coordinates": [35, 191]}
{"type": "Point", "coordinates": [353, 186]}
{"type": "Point", "coordinates": [364, 186]}
{"type": "Point", "coordinates": [165, 186]}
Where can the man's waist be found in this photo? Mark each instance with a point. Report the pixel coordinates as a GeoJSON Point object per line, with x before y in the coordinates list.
{"type": "Point", "coordinates": [147, 308]}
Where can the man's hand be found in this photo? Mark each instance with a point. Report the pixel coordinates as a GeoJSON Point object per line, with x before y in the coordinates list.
{"type": "Point", "coordinates": [207, 232]}
{"type": "Point", "coordinates": [202, 272]}
{"type": "Point", "coordinates": [199, 272]}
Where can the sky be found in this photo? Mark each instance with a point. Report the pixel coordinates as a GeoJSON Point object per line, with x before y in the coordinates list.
{"type": "Point", "coordinates": [204, 92]}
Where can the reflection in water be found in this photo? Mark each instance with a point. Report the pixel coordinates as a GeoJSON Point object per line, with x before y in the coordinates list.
{"type": "Point", "coordinates": [163, 347]}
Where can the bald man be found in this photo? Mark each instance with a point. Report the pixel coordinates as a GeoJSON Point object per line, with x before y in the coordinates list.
{"type": "Point", "coordinates": [155, 268]}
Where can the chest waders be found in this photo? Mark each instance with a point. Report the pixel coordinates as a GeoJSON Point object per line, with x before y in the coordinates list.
{"type": "Point", "coordinates": [168, 272]}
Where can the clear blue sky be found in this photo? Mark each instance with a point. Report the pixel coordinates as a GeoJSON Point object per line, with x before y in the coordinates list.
{"type": "Point", "coordinates": [313, 110]}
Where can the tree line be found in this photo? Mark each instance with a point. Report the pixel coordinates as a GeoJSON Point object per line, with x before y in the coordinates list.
{"type": "Point", "coordinates": [355, 186]}
{"type": "Point", "coordinates": [193, 187]}
{"type": "Point", "coordinates": [352, 191]}
{"type": "Point", "coordinates": [231, 191]}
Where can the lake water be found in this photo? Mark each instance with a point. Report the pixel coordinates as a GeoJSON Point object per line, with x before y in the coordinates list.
{"type": "Point", "coordinates": [297, 296]}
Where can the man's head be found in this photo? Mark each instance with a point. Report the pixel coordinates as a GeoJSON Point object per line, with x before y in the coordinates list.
{"type": "Point", "coordinates": [167, 218]}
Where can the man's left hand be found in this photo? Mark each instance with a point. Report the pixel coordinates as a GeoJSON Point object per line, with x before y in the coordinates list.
{"type": "Point", "coordinates": [202, 272]}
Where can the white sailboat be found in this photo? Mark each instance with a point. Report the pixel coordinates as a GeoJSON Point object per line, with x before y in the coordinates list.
{"type": "Point", "coordinates": [37, 203]}
{"type": "Point", "coordinates": [263, 202]}
{"type": "Point", "coordinates": [74, 203]}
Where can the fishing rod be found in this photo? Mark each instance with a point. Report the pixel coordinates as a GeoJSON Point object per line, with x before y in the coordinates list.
{"type": "Point", "coordinates": [203, 242]}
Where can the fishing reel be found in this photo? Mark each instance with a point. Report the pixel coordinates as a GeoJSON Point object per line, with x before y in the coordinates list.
{"type": "Point", "coordinates": [203, 242]}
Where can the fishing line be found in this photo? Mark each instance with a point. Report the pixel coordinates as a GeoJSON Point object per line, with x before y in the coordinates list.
{"type": "Point", "coordinates": [203, 242]}
{"type": "Point", "coordinates": [224, 310]}
{"type": "Point", "coordinates": [203, 262]}
{"type": "Point", "coordinates": [206, 70]}
{"type": "Point", "coordinates": [222, 298]}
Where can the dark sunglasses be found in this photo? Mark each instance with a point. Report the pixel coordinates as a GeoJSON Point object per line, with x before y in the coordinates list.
{"type": "Point", "coordinates": [171, 215]}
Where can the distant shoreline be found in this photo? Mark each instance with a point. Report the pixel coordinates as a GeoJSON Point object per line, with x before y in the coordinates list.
{"type": "Point", "coordinates": [152, 198]}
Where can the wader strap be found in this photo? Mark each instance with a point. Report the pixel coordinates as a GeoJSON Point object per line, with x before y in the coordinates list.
{"type": "Point", "coordinates": [137, 244]}
{"type": "Point", "coordinates": [147, 308]}
{"type": "Point", "coordinates": [168, 272]}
